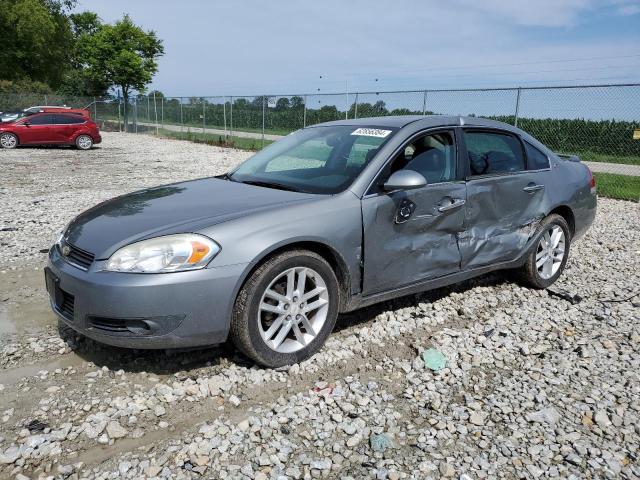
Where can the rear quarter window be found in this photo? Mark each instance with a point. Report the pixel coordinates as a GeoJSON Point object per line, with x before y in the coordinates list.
{"type": "Point", "coordinates": [69, 119]}
{"type": "Point", "coordinates": [536, 160]}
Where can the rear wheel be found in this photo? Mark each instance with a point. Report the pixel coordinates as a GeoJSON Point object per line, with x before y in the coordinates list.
{"type": "Point", "coordinates": [8, 140]}
{"type": "Point", "coordinates": [286, 309]}
{"type": "Point", "coordinates": [547, 259]}
{"type": "Point", "coordinates": [84, 142]}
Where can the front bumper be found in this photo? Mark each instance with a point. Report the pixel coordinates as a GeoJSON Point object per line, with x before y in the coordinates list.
{"type": "Point", "coordinates": [170, 310]}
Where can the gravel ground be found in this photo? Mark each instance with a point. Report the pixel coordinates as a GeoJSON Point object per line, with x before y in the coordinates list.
{"type": "Point", "coordinates": [536, 385]}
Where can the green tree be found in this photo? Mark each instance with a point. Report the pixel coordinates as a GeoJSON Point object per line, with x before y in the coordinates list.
{"type": "Point", "coordinates": [35, 39]}
{"type": "Point", "coordinates": [283, 103]}
{"type": "Point", "coordinates": [76, 79]}
{"type": "Point", "coordinates": [297, 102]}
{"type": "Point", "coordinates": [122, 55]}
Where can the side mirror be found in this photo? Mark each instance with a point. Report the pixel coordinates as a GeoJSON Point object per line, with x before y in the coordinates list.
{"type": "Point", "coordinates": [405, 180]}
{"type": "Point", "coordinates": [26, 123]}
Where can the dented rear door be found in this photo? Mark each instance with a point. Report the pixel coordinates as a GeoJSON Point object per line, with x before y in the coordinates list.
{"type": "Point", "coordinates": [503, 209]}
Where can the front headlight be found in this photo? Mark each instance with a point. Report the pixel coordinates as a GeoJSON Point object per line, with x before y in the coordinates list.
{"type": "Point", "coordinates": [171, 253]}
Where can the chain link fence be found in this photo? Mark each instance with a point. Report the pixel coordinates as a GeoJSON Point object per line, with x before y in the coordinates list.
{"type": "Point", "coordinates": [600, 123]}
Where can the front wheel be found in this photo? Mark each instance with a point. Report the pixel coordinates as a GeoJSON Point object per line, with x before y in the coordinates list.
{"type": "Point", "coordinates": [286, 309]}
{"type": "Point", "coordinates": [84, 142]}
{"type": "Point", "coordinates": [8, 140]}
{"type": "Point", "coordinates": [547, 259]}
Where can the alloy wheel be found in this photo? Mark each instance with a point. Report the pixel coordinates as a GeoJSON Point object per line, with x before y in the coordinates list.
{"type": "Point", "coordinates": [293, 309]}
{"type": "Point", "coordinates": [84, 142]}
{"type": "Point", "coordinates": [550, 252]}
{"type": "Point", "coordinates": [8, 140]}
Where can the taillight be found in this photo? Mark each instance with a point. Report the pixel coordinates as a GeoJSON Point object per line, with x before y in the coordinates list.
{"type": "Point", "coordinates": [592, 181]}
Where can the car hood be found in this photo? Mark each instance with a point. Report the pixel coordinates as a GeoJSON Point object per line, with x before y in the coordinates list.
{"type": "Point", "coordinates": [176, 208]}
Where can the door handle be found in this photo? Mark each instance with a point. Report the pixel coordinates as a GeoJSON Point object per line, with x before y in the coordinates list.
{"type": "Point", "coordinates": [458, 202]}
{"type": "Point", "coordinates": [533, 188]}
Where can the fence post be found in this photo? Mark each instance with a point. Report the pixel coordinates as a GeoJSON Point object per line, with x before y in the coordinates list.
{"type": "Point", "coordinates": [304, 113]}
{"type": "Point", "coordinates": [231, 117]}
{"type": "Point", "coordinates": [263, 112]}
{"type": "Point", "coordinates": [45, 100]}
{"type": "Point", "coordinates": [155, 111]}
{"type": "Point", "coordinates": [148, 110]}
{"type": "Point", "coordinates": [119, 129]}
{"type": "Point", "coordinates": [346, 100]}
{"type": "Point", "coordinates": [162, 112]}
{"type": "Point", "coordinates": [355, 107]}
{"type": "Point", "coordinates": [95, 109]}
{"type": "Point", "coordinates": [181, 118]}
{"type": "Point", "coordinates": [135, 114]}
{"type": "Point", "coordinates": [204, 115]}
{"type": "Point", "coordinates": [424, 103]}
{"type": "Point", "coordinates": [515, 123]}
{"type": "Point", "coordinates": [224, 116]}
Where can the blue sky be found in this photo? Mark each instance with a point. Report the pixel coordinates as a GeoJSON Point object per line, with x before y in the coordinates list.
{"type": "Point", "coordinates": [293, 46]}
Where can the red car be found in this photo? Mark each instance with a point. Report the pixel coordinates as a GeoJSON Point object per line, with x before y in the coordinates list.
{"type": "Point", "coordinates": [51, 128]}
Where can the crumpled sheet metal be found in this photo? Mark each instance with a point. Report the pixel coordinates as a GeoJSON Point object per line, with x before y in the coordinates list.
{"type": "Point", "coordinates": [481, 246]}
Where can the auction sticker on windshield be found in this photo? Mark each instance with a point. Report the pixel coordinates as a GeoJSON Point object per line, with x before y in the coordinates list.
{"type": "Point", "coordinates": [371, 132]}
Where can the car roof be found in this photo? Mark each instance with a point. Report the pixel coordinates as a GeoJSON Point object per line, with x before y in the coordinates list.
{"type": "Point", "coordinates": [48, 106]}
{"type": "Point", "coordinates": [426, 121]}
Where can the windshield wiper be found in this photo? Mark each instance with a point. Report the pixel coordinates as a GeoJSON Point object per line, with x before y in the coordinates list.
{"type": "Point", "coordinates": [279, 186]}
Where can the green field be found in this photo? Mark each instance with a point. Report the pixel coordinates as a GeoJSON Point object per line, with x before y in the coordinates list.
{"type": "Point", "coordinates": [268, 131]}
{"type": "Point", "coordinates": [240, 143]}
{"type": "Point", "coordinates": [601, 157]}
{"type": "Point", "coordinates": [623, 187]}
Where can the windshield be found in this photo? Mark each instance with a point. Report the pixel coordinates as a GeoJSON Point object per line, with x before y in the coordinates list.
{"type": "Point", "coordinates": [314, 160]}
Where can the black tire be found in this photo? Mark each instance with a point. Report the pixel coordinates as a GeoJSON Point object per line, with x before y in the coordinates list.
{"type": "Point", "coordinates": [528, 273]}
{"type": "Point", "coordinates": [8, 140]}
{"type": "Point", "coordinates": [245, 332]}
{"type": "Point", "coordinates": [84, 142]}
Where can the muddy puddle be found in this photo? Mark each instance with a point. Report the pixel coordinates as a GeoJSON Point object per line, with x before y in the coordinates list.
{"type": "Point", "coordinates": [24, 305]}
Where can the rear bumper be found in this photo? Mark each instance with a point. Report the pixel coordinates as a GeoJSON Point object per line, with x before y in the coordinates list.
{"type": "Point", "coordinates": [173, 310]}
{"type": "Point", "coordinates": [585, 214]}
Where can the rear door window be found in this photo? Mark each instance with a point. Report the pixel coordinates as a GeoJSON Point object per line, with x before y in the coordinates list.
{"type": "Point", "coordinates": [493, 153]}
{"type": "Point", "coordinates": [536, 160]}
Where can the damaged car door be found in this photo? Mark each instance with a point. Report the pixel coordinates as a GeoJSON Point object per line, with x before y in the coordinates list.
{"type": "Point", "coordinates": [504, 199]}
{"type": "Point", "coordinates": [410, 234]}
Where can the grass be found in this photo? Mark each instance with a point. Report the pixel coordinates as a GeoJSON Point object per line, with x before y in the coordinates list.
{"type": "Point", "coordinates": [251, 144]}
{"type": "Point", "coordinates": [267, 131]}
{"type": "Point", "coordinates": [623, 187]}
{"type": "Point", "coordinates": [602, 157]}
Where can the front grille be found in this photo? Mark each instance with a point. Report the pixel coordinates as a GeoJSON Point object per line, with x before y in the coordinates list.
{"type": "Point", "coordinates": [67, 303]}
{"type": "Point", "coordinates": [77, 257]}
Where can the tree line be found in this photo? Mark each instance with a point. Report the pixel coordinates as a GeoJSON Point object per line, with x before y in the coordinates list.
{"type": "Point", "coordinates": [47, 48]}
{"type": "Point", "coordinates": [607, 137]}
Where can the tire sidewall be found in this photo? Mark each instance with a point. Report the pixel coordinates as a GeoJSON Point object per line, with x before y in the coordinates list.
{"type": "Point", "coordinates": [268, 356]}
{"type": "Point", "coordinates": [78, 142]}
{"type": "Point", "coordinates": [549, 221]}
{"type": "Point", "coordinates": [12, 135]}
